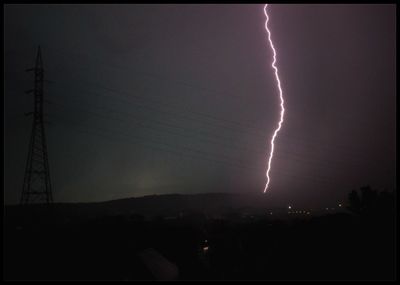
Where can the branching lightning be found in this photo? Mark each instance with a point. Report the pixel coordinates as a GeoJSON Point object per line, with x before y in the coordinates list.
{"type": "Point", "coordinates": [280, 96]}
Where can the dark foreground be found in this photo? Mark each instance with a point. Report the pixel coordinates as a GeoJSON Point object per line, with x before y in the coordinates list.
{"type": "Point", "coordinates": [194, 247]}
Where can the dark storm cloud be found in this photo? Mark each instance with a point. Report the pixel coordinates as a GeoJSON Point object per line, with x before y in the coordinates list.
{"type": "Point", "coordinates": [170, 70]}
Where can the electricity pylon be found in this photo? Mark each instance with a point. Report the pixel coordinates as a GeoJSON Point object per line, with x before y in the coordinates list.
{"type": "Point", "coordinates": [37, 186]}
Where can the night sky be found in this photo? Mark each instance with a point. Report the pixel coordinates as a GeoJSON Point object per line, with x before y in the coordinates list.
{"type": "Point", "coordinates": [155, 99]}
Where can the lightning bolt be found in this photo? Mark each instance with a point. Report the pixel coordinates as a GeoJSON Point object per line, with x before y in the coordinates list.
{"type": "Point", "coordinates": [280, 96]}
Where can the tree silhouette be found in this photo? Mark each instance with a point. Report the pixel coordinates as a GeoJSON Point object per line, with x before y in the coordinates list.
{"type": "Point", "coordinates": [371, 202]}
{"type": "Point", "coordinates": [354, 202]}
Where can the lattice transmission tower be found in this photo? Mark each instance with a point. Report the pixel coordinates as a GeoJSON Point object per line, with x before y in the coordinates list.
{"type": "Point", "coordinates": [37, 186]}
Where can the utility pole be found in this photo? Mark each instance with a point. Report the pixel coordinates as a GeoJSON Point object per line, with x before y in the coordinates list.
{"type": "Point", "coordinates": [37, 186]}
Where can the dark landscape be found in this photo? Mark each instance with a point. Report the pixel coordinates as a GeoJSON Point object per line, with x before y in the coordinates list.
{"type": "Point", "coordinates": [199, 237]}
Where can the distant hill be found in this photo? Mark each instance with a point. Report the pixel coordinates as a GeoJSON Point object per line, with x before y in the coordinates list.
{"type": "Point", "coordinates": [153, 205]}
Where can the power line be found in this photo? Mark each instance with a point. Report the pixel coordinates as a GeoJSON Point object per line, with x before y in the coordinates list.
{"type": "Point", "coordinates": [115, 90]}
{"type": "Point", "coordinates": [223, 142]}
{"type": "Point", "coordinates": [224, 128]}
{"type": "Point", "coordinates": [158, 77]}
{"type": "Point", "coordinates": [147, 74]}
{"type": "Point", "coordinates": [353, 154]}
{"type": "Point", "coordinates": [248, 163]}
{"type": "Point", "coordinates": [102, 116]}
{"type": "Point", "coordinates": [150, 143]}
{"type": "Point", "coordinates": [155, 146]}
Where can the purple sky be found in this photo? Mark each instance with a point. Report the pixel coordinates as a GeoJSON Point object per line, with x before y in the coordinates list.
{"type": "Point", "coordinates": [152, 99]}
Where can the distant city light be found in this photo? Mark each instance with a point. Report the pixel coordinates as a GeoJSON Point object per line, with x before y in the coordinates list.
{"type": "Point", "coordinates": [205, 248]}
{"type": "Point", "coordinates": [327, 209]}
{"type": "Point", "coordinates": [340, 205]}
{"type": "Point", "coordinates": [290, 207]}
